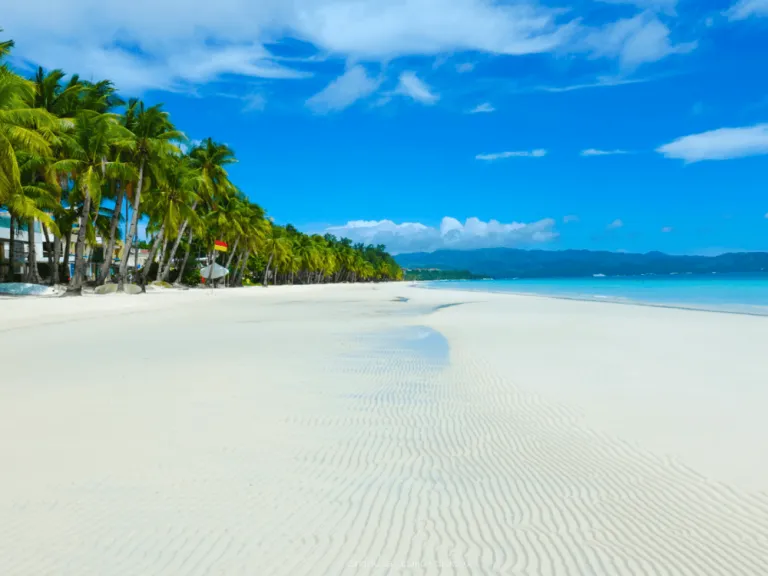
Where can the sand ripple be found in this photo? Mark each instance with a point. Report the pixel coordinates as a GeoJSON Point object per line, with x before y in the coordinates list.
{"type": "Point", "coordinates": [300, 445]}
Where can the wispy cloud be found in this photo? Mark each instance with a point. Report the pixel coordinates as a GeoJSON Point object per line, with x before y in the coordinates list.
{"type": "Point", "coordinates": [465, 67]}
{"type": "Point", "coordinates": [452, 234]}
{"type": "Point", "coordinates": [411, 86]}
{"type": "Point", "coordinates": [615, 224]}
{"type": "Point", "coordinates": [667, 229]}
{"type": "Point", "coordinates": [744, 9]}
{"type": "Point", "coordinates": [518, 154]}
{"type": "Point", "coordinates": [602, 82]}
{"type": "Point", "coordinates": [254, 103]}
{"type": "Point", "coordinates": [721, 144]}
{"type": "Point", "coordinates": [666, 6]}
{"type": "Point", "coordinates": [197, 41]}
{"type": "Point", "coordinates": [570, 218]}
{"type": "Point", "coordinates": [596, 152]}
{"type": "Point", "coordinates": [483, 108]}
{"type": "Point", "coordinates": [344, 91]}
{"type": "Point", "coordinates": [635, 41]}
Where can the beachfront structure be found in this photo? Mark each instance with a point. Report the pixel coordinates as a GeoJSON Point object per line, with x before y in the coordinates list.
{"type": "Point", "coordinates": [21, 245]}
{"type": "Point", "coordinates": [93, 254]}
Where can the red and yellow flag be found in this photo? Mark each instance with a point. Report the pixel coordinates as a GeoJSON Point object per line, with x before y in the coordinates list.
{"type": "Point", "coordinates": [220, 246]}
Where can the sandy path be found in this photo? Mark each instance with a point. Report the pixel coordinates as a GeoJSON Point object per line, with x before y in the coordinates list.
{"type": "Point", "coordinates": [333, 430]}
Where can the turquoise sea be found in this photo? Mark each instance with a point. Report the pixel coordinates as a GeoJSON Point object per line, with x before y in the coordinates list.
{"type": "Point", "coordinates": [746, 294]}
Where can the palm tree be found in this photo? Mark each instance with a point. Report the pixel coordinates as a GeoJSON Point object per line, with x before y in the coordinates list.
{"type": "Point", "coordinates": [63, 150]}
{"type": "Point", "coordinates": [154, 137]}
{"type": "Point", "coordinates": [171, 204]}
{"type": "Point", "coordinates": [211, 158]}
{"type": "Point", "coordinates": [61, 101]}
{"type": "Point", "coordinates": [275, 245]}
{"type": "Point", "coordinates": [93, 137]}
{"type": "Point", "coordinates": [186, 179]}
{"type": "Point", "coordinates": [255, 229]}
{"type": "Point", "coordinates": [22, 130]}
{"type": "Point", "coordinates": [39, 186]}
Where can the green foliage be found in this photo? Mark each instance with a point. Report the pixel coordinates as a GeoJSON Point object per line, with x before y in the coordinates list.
{"type": "Point", "coordinates": [65, 152]}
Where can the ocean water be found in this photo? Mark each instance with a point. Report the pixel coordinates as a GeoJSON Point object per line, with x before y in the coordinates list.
{"type": "Point", "coordinates": [746, 294]}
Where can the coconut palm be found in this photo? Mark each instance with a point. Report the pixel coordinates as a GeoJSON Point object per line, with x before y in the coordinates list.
{"type": "Point", "coordinates": [93, 137]}
{"type": "Point", "coordinates": [256, 228]}
{"type": "Point", "coordinates": [23, 130]}
{"type": "Point", "coordinates": [171, 204]}
{"type": "Point", "coordinates": [275, 246]}
{"type": "Point", "coordinates": [63, 151]}
{"type": "Point", "coordinates": [186, 179]}
{"type": "Point", "coordinates": [211, 158]}
{"type": "Point", "coordinates": [153, 141]}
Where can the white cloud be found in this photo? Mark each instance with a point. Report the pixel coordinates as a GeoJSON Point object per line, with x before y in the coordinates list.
{"type": "Point", "coordinates": [667, 229]}
{"type": "Point", "coordinates": [744, 9]}
{"type": "Point", "coordinates": [570, 218]}
{"type": "Point", "coordinates": [347, 89]}
{"type": "Point", "coordinates": [254, 102]}
{"type": "Point", "coordinates": [615, 224]}
{"type": "Point", "coordinates": [635, 41]}
{"type": "Point", "coordinates": [452, 234]}
{"type": "Point", "coordinates": [519, 154]}
{"type": "Point", "coordinates": [196, 41]}
{"type": "Point", "coordinates": [465, 67]}
{"type": "Point", "coordinates": [601, 82]}
{"type": "Point", "coordinates": [667, 6]}
{"type": "Point", "coordinates": [485, 107]}
{"type": "Point", "coordinates": [721, 144]}
{"type": "Point", "coordinates": [410, 85]}
{"type": "Point", "coordinates": [595, 152]}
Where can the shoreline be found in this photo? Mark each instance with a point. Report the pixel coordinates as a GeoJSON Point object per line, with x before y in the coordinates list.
{"type": "Point", "coordinates": [337, 429]}
{"type": "Point", "coordinates": [609, 300]}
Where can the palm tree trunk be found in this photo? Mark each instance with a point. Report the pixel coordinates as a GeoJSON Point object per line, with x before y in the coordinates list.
{"type": "Point", "coordinates": [76, 282]}
{"type": "Point", "coordinates": [161, 258]}
{"type": "Point", "coordinates": [11, 247]}
{"type": "Point", "coordinates": [232, 254]}
{"type": "Point", "coordinates": [167, 269]}
{"type": "Point", "coordinates": [56, 256]}
{"type": "Point", "coordinates": [33, 275]}
{"type": "Point", "coordinates": [110, 251]}
{"type": "Point", "coordinates": [229, 260]}
{"type": "Point", "coordinates": [132, 230]}
{"type": "Point", "coordinates": [151, 257]}
{"type": "Point", "coordinates": [238, 280]}
{"type": "Point", "coordinates": [67, 251]}
{"type": "Point", "coordinates": [230, 278]}
{"type": "Point", "coordinates": [186, 257]}
{"type": "Point", "coordinates": [47, 237]}
{"type": "Point", "coordinates": [266, 270]}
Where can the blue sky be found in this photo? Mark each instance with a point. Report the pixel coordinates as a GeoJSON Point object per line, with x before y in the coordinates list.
{"type": "Point", "coordinates": [617, 124]}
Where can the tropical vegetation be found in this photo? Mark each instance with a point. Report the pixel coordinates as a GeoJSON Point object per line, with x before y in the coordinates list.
{"type": "Point", "coordinates": [85, 168]}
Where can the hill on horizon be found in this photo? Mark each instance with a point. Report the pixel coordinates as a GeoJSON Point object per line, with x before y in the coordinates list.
{"type": "Point", "coordinates": [518, 263]}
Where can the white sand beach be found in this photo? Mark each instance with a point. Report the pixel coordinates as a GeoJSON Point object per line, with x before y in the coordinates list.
{"type": "Point", "coordinates": [379, 429]}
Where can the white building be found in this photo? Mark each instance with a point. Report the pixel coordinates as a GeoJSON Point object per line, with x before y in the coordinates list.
{"type": "Point", "coordinates": [21, 244]}
{"type": "Point", "coordinates": [21, 250]}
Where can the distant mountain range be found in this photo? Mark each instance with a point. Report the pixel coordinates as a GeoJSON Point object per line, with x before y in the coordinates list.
{"type": "Point", "coordinates": [513, 263]}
